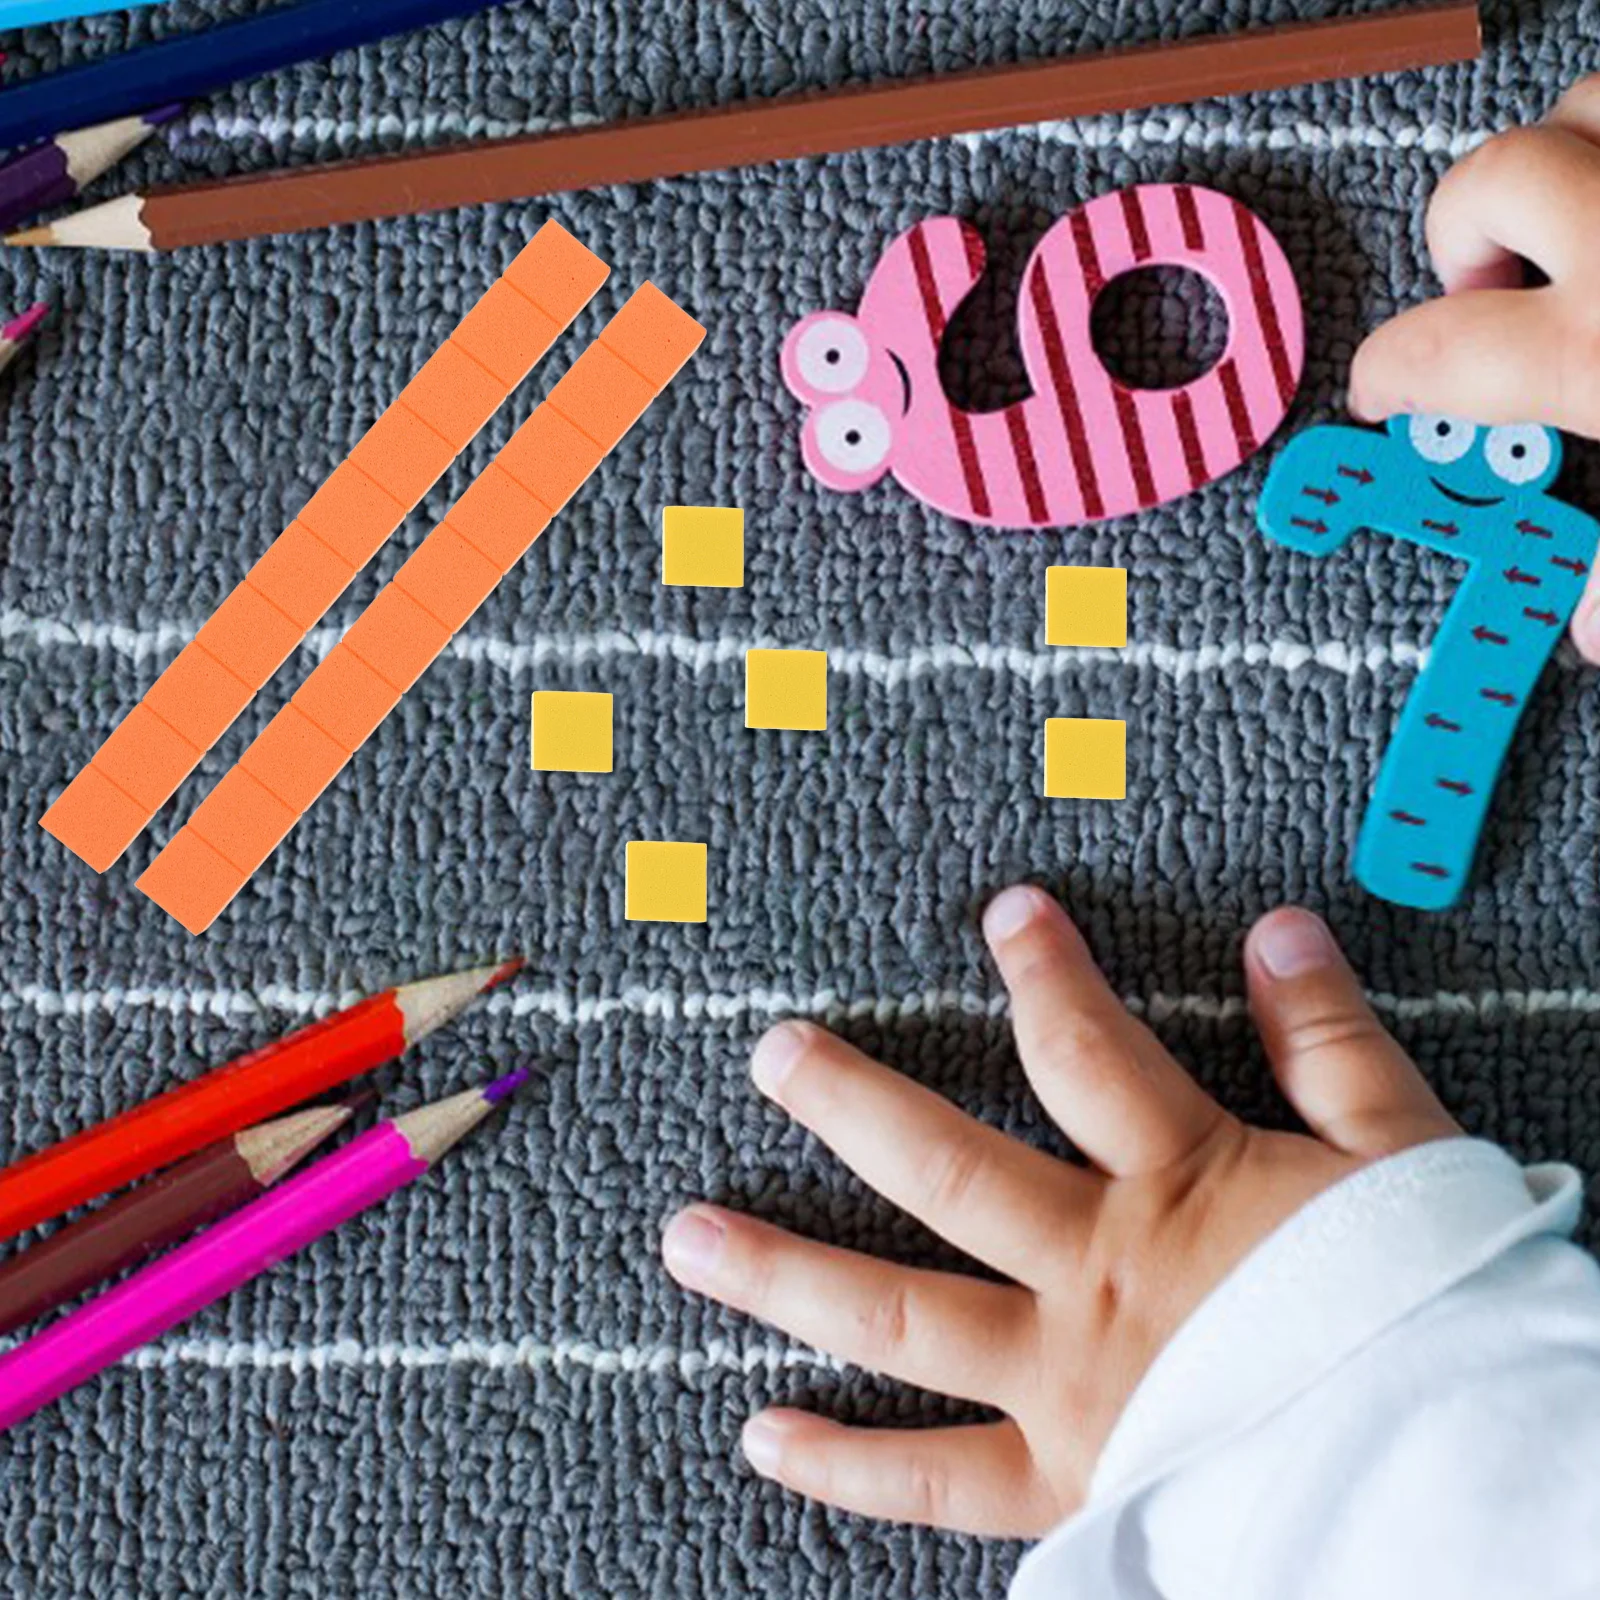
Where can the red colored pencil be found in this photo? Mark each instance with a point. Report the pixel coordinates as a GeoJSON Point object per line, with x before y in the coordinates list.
{"type": "Point", "coordinates": [245, 1091]}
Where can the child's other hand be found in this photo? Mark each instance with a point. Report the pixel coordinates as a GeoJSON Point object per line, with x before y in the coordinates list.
{"type": "Point", "coordinates": [1103, 1262]}
{"type": "Point", "coordinates": [1492, 350]}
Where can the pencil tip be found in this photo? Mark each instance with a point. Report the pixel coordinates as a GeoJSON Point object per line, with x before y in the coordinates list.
{"type": "Point", "coordinates": [32, 236]}
{"type": "Point", "coordinates": [504, 1088]}
{"type": "Point", "coordinates": [164, 114]}
{"type": "Point", "coordinates": [22, 325]}
{"type": "Point", "coordinates": [431, 1002]}
{"type": "Point", "coordinates": [507, 969]}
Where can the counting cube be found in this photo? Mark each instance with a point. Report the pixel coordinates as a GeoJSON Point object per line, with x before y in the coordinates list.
{"type": "Point", "coordinates": [702, 547]}
{"type": "Point", "coordinates": [1085, 758]}
{"type": "Point", "coordinates": [571, 731]}
{"type": "Point", "coordinates": [786, 689]}
{"type": "Point", "coordinates": [1086, 606]}
{"type": "Point", "coordinates": [666, 881]}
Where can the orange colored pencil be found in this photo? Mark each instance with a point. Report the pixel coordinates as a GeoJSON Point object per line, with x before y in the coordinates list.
{"type": "Point", "coordinates": [245, 1091]}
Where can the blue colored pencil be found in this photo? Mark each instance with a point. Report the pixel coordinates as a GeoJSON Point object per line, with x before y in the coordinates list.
{"type": "Point", "coordinates": [24, 13]}
{"type": "Point", "coordinates": [194, 64]}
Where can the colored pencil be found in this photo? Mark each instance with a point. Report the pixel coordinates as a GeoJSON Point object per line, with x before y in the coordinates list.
{"type": "Point", "coordinates": [52, 173]}
{"type": "Point", "coordinates": [237, 1249]}
{"type": "Point", "coordinates": [145, 1220]}
{"type": "Point", "coordinates": [258, 1085]}
{"type": "Point", "coordinates": [26, 13]}
{"type": "Point", "coordinates": [18, 331]}
{"type": "Point", "coordinates": [287, 201]}
{"type": "Point", "coordinates": [192, 64]}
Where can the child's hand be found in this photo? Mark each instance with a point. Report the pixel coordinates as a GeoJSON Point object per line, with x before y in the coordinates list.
{"type": "Point", "coordinates": [1104, 1262]}
{"type": "Point", "coordinates": [1492, 350]}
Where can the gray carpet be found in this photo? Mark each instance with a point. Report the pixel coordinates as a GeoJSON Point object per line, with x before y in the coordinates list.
{"type": "Point", "coordinates": [489, 1387]}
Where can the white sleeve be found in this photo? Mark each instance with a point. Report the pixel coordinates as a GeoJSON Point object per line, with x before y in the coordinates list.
{"type": "Point", "coordinates": [1395, 1396]}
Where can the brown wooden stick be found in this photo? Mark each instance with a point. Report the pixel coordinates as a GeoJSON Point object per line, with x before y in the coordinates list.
{"type": "Point", "coordinates": [790, 127]}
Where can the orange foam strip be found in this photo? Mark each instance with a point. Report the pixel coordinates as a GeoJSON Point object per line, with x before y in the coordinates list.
{"type": "Point", "coordinates": [95, 818]}
{"type": "Point", "coordinates": [146, 758]}
{"type": "Point", "coordinates": [249, 636]}
{"type": "Point", "coordinates": [359, 505]}
{"type": "Point", "coordinates": [242, 821]}
{"type": "Point", "coordinates": [293, 758]}
{"type": "Point", "coordinates": [191, 882]}
{"type": "Point", "coordinates": [448, 576]}
{"type": "Point", "coordinates": [396, 637]}
{"type": "Point", "coordinates": [300, 575]}
{"type": "Point", "coordinates": [504, 333]}
{"type": "Point", "coordinates": [197, 697]}
{"type": "Point", "coordinates": [402, 454]}
{"type": "Point", "coordinates": [345, 698]}
{"type": "Point", "coordinates": [351, 692]}
{"type": "Point", "coordinates": [601, 395]}
{"type": "Point", "coordinates": [352, 515]}
{"type": "Point", "coordinates": [549, 457]}
{"type": "Point", "coordinates": [497, 517]}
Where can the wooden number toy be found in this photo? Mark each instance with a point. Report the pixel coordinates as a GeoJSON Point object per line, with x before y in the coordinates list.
{"type": "Point", "coordinates": [1083, 445]}
{"type": "Point", "coordinates": [1480, 495]}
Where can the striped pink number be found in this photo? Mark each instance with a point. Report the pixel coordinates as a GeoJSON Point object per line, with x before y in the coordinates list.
{"type": "Point", "coordinates": [1082, 446]}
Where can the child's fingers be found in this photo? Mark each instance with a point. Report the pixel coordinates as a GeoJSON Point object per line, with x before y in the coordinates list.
{"type": "Point", "coordinates": [1578, 110]}
{"type": "Point", "coordinates": [1532, 192]}
{"type": "Point", "coordinates": [979, 1479]}
{"type": "Point", "coordinates": [1335, 1061]}
{"type": "Point", "coordinates": [1494, 355]}
{"type": "Point", "coordinates": [1001, 1201]}
{"type": "Point", "coordinates": [1106, 1080]}
{"type": "Point", "coordinates": [958, 1336]}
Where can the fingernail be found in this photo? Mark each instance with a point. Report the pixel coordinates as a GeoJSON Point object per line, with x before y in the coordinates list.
{"type": "Point", "coordinates": [1290, 944]}
{"type": "Point", "coordinates": [776, 1052]}
{"type": "Point", "coordinates": [1586, 627]}
{"type": "Point", "coordinates": [692, 1245]}
{"type": "Point", "coordinates": [762, 1443]}
{"type": "Point", "coordinates": [1012, 910]}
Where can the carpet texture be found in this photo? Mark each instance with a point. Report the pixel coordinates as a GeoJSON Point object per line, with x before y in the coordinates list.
{"type": "Point", "coordinates": [489, 1387]}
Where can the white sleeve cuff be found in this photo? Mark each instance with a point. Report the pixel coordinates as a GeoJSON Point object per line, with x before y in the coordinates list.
{"type": "Point", "coordinates": [1330, 1281]}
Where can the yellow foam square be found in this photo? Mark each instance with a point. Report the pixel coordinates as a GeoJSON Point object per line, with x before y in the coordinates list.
{"type": "Point", "coordinates": [786, 689]}
{"type": "Point", "coordinates": [1085, 758]}
{"type": "Point", "coordinates": [571, 731]}
{"type": "Point", "coordinates": [1086, 606]}
{"type": "Point", "coordinates": [666, 881]}
{"type": "Point", "coordinates": [702, 547]}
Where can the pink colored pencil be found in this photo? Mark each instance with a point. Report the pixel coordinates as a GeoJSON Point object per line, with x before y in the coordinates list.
{"type": "Point", "coordinates": [18, 331]}
{"type": "Point", "coordinates": [215, 1263]}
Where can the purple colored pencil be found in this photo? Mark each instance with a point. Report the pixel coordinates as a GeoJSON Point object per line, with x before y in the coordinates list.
{"type": "Point", "coordinates": [60, 169]}
{"type": "Point", "coordinates": [18, 331]}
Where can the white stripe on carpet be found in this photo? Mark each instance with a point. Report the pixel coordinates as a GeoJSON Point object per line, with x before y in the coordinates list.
{"type": "Point", "coordinates": [826, 1005]}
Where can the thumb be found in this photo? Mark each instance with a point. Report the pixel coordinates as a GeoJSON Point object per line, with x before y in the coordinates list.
{"type": "Point", "coordinates": [1344, 1074]}
{"type": "Point", "coordinates": [1486, 355]}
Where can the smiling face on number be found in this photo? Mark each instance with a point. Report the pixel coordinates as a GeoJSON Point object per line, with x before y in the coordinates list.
{"type": "Point", "coordinates": [1481, 468]}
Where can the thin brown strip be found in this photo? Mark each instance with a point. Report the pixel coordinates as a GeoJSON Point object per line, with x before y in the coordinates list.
{"type": "Point", "coordinates": [1194, 454]}
{"type": "Point", "coordinates": [1133, 441]}
{"type": "Point", "coordinates": [1027, 466]}
{"type": "Point", "coordinates": [1088, 252]}
{"type": "Point", "coordinates": [797, 126]}
{"type": "Point", "coordinates": [933, 309]}
{"type": "Point", "coordinates": [1266, 306]}
{"type": "Point", "coordinates": [1133, 215]}
{"type": "Point", "coordinates": [1238, 412]}
{"type": "Point", "coordinates": [1066, 397]}
{"type": "Point", "coordinates": [1194, 235]}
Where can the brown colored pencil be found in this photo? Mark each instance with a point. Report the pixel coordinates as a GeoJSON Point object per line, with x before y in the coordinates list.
{"type": "Point", "coordinates": [135, 1225]}
{"type": "Point", "coordinates": [787, 128]}
{"type": "Point", "coordinates": [158, 1132]}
